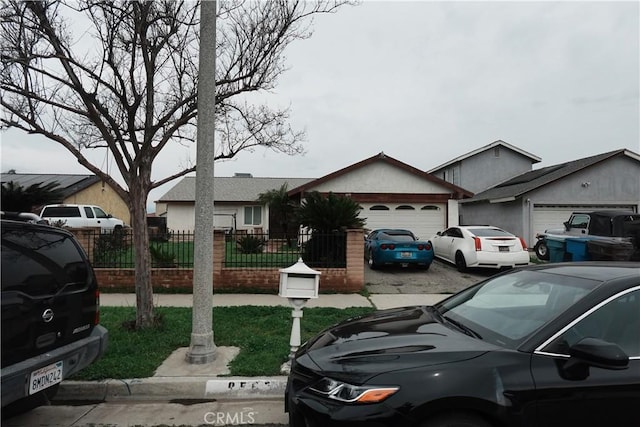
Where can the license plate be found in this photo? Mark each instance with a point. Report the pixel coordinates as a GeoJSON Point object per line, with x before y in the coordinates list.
{"type": "Point", "coordinates": [503, 248]}
{"type": "Point", "coordinates": [405, 254]}
{"type": "Point", "coordinates": [45, 377]}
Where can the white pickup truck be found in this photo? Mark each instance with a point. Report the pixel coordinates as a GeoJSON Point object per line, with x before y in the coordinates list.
{"type": "Point", "coordinates": [79, 216]}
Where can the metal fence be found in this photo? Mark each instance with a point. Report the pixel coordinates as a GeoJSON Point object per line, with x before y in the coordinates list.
{"type": "Point", "coordinates": [241, 250]}
{"type": "Point", "coordinates": [259, 251]}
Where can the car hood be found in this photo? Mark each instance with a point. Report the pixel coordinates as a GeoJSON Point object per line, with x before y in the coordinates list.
{"type": "Point", "coordinates": [385, 341]}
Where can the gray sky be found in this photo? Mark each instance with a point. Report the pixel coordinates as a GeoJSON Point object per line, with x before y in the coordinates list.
{"type": "Point", "coordinates": [426, 82]}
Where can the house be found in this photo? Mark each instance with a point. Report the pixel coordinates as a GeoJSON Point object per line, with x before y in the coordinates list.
{"type": "Point", "coordinates": [235, 202]}
{"type": "Point", "coordinates": [391, 193]}
{"type": "Point", "coordinates": [535, 200]}
{"type": "Point", "coordinates": [77, 189]}
{"type": "Point", "coordinates": [485, 167]}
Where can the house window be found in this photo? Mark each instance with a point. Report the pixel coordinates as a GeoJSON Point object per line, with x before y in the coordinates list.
{"type": "Point", "coordinates": [405, 208]}
{"type": "Point", "coordinates": [430, 208]}
{"type": "Point", "coordinates": [252, 215]}
{"type": "Point", "coordinates": [378, 208]}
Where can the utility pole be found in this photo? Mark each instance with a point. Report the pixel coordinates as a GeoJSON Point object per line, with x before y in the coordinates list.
{"type": "Point", "coordinates": [202, 348]}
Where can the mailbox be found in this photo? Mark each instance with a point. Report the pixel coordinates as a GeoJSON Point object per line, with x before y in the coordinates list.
{"type": "Point", "coordinates": [299, 281]}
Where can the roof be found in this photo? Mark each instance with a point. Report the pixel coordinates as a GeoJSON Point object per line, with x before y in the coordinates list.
{"type": "Point", "coordinates": [68, 184]}
{"type": "Point", "coordinates": [529, 181]}
{"type": "Point", "coordinates": [230, 189]}
{"type": "Point", "coordinates": [533, 157]}
{"type": "Point", "coordinates": [381, 157]}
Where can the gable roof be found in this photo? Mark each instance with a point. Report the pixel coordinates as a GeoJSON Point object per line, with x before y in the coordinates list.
{"type": "Point", "coordinates": [67, 183]}
{"type": "Point", "coordinates": [229, 189]}
{"type": "Point", "coordinates": [499, 142]}
{"type": "Point", "coordinates": [381, 157]}
{"type": "Point", "coordinates": [529, 181]}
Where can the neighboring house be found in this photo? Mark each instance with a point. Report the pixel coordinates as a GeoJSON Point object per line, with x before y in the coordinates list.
{"type": "Point", "coordinates": [544, 198]}
{"type": "Point", "coordinates": [77, 189]}
{"type": "Point", "coordinates": [393, 194]}
{"type": "Point", "coordinates": [485, 167]}
{"type": "Point", "coordinates": [235, 202]}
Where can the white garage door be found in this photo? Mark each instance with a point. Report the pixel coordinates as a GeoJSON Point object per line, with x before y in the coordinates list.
{"type": "Point", "coordinates": [553, 217]}
{"type": "Point", "coordinates": [424, 220]}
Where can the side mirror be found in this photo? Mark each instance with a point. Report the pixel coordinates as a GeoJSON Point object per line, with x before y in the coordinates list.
{"type": "Point", "coordinates": [439, 233]}
{"type": "Point", "coordinates": [594, 352]}
{"type": "Point", "coordinates": [567, 225]}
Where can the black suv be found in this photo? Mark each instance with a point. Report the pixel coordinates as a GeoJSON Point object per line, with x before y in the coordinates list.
{"type": "Point", "coordinates": [50, 310]}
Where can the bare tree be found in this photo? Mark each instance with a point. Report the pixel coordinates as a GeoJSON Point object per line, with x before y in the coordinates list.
{"type": "Point", "coordinates": [133, 89]}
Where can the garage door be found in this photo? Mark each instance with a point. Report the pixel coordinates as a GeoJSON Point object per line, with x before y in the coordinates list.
{"type": "Point", "coordinates": [552, 217]}
{"type": "Point", "coordinates": [425, 220]}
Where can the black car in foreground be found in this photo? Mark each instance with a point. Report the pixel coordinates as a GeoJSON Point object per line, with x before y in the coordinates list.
{"type": "Point", "coordinates": [546, 345]}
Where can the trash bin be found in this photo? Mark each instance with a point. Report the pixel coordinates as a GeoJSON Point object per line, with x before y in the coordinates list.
{"type": "Point", "coordinates": [557, 248]}
{"type": "Point", "coordinates": [610, 249]}
{"type": "Point", "coordinates": [577, 247]}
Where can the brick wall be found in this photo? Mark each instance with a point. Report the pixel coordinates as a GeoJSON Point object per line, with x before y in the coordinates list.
{"type": "Point", "coordinates": [343, 280]}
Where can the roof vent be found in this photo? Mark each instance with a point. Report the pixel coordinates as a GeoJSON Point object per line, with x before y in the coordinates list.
{"type": "Point", "coordinates": [243, 175]}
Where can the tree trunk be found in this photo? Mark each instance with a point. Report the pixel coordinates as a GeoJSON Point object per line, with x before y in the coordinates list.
{"type": "Point", "coordinates": [144, 289]}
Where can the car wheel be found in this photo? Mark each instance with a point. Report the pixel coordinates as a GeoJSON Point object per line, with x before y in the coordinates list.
{"type": "Point", "coordinates": [542, 250]}
{"type": "Point", "coordinates": [461, 263]}
{"type": "Point", "coordinates": [456, 420]}
{"type": "Point", "coordinates": [372, 264]}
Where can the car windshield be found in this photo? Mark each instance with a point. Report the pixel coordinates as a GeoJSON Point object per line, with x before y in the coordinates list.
{"type": "Point", "coordinates": [507, 309]}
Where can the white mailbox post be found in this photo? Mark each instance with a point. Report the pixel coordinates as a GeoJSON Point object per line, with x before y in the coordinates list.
{"type": "Point", "coordinates": [298, 284]}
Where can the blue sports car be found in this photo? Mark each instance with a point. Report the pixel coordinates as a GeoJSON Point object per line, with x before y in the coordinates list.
{"type": "Point", "coordinates": [397, 246]}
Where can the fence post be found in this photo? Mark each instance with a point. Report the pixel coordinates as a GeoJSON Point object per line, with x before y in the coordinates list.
{"type": "Point", "coordinates": [86, 238]}
{"type": "Point", "coordinates": [219, 246]}
{"type": "Point", "coordinates": [355, 259]}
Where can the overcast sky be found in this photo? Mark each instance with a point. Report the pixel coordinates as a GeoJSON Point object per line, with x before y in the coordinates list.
{"type": "Point", "coordinates": [426, 82]}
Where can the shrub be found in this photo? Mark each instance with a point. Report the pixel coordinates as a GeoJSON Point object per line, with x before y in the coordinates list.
{"type": "Point", "coordinates": [250, 245]}
{"type": "Point", "coordinates": [162, 258]}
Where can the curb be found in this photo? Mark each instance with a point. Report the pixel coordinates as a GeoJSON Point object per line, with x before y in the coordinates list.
{"type": "Point", "coordinates": [173, 388]}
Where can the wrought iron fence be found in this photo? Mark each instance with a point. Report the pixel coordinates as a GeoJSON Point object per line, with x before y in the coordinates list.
{"type": "Point", "coordinates": [259, 251]}
{"type": "Point", "coordinates": [242, 250]}
{"type": "Point", "coordinates": [167, 250]}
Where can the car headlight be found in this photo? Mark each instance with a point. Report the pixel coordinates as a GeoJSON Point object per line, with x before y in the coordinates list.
{"type": "Point", "coordinates": [344, 392]}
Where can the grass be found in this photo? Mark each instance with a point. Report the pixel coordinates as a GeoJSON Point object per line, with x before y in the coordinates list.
{"type": "Point", "coordinates": [261, 333]}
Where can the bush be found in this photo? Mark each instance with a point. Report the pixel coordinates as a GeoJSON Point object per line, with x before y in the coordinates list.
{"type": "Point", "coordinates": [162, 258]}
{"type": "Point", "coordinates": [326, 250]}
{"type": "Point", "coordinates": [250, 245]}
{"type": "Point", "coordinates": [108, 249]}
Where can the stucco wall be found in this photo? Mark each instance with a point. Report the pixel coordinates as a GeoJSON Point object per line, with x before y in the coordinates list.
{"type": "Point", "coordinates": [380, 178]}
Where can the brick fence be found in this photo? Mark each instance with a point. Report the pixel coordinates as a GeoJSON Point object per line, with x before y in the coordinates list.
{"type": "Point", "coordinates": [343, 280]}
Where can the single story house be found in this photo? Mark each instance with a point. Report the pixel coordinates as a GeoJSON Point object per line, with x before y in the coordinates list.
{"type": "Point", "coordinates": [391, 193]}
{"type": "Point", "coordinates": [235, 202]}
{"type": "Point", "coordinates": [531, 201]}
{"type": "Point", "coordinates": [76, 189]}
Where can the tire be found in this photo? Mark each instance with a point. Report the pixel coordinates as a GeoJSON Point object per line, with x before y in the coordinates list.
{"type": "Point", "coordinates": [461, 263]}
{"type": "Point", "coordinates": [372, 264]}
{"type": "Point", "coordinates": [456, 420]}
{"type": "Point", "coordinates": [542, 250]}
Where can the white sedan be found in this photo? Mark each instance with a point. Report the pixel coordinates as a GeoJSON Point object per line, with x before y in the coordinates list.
{"type": "Point", "coordinates": [480, 246]}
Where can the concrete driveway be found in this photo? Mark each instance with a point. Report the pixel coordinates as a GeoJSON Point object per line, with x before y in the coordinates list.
{"type": "Point", "coordinates": [441, 278]}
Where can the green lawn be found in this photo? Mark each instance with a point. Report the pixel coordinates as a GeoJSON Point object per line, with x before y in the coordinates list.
{"type": "Point", "coordinates": [263, 338]}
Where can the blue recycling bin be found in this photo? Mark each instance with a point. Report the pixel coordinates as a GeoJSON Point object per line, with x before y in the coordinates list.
{"type": "Point", "coordinates": [578, 248]}
{"type": "Point", "coordinates": [557, 248]}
